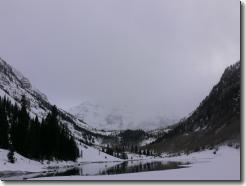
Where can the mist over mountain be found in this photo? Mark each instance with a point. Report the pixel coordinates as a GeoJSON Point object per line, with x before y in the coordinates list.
{"type": "Point", "coordinates": [121, 90]}
{"type": "Point", "coordinates": [116, 118]}
{"type": "Point", "coordinates": [92, 132]}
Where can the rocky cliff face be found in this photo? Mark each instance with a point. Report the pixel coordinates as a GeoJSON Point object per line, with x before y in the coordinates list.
{"type": "Point", "coordinates": [15, 85]}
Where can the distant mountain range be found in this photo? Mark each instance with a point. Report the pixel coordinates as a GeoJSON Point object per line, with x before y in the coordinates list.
{"type": "Point", "coordinates": [215, 121]}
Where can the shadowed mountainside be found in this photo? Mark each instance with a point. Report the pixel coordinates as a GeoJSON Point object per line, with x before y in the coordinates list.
{"type": "Point", "coordinates": [215, 121]}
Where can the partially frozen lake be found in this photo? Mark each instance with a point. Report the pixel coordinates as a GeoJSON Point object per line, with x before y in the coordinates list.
{"type": "Point", "coordinates": [95, 169]}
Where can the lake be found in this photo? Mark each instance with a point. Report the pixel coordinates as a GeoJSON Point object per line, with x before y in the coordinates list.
{"type": "Point", "coordinates": [94, 169]}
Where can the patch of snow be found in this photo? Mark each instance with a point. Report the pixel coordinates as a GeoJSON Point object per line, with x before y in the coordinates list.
{"type": "Point", "coordinates": [91, 154]}
{"type": "Point", "coordinates": [197, 129]}
{"type": "Point", "coordinates": [147, 141]}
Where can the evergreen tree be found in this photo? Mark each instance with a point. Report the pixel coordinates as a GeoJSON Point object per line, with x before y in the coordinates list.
{"type": "Point", "coordinates": [10, 155]}
{"type": "Point", "coordinates": [34, 138]}
{"type": "Point", "coordinates": [22, 128]}
{"type": "Point", "coordinates": [4, 128]}
{"type": "Point", "coordinates": [45, 140]}
{"type": "Point", "coordinates": [124, 156]}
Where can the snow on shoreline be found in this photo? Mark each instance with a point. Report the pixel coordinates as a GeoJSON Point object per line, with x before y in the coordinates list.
{"type": "Point", "coordinates": [205, 165]}
{"type": "Point", "coordinates": [224, 165]}
{"type": "Point", "coordinates": [23, 164]}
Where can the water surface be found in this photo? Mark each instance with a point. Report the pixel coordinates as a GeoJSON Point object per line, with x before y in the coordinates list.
{"type": "Point", "coordinates": [95, 169]}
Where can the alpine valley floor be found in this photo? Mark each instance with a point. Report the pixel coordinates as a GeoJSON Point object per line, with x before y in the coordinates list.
{"type": "Point", "coordinates": [205, 165]}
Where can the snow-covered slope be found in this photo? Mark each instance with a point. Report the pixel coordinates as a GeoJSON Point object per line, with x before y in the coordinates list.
{"type": "Point", "coordinates": [101, 117]}
{"type": "Point", "coordinates": [120, 118]}
{"type": "Point", "coordinates": [23, 164]}
{"type": "Point", "coordinates": [13, 85]}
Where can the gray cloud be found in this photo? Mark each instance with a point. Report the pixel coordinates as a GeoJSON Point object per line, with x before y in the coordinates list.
{"type": "Point", "coordinates": [155, 56]}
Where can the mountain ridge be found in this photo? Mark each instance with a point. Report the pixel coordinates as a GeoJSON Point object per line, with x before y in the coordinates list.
{"type": "Point", "coordinates": [215, 121]}
{"type": "Point", "coordinates": [211, 123]}
{"type": "Point", "coordinates": [13, 85]}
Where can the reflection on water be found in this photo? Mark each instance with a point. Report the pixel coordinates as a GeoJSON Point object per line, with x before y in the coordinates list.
{"type": "Point", "coordinates": [141, 167]}
{"type": "Point", "coordinates": [106, 168]}
{"type": "Point", "coordinates": [93, 169]}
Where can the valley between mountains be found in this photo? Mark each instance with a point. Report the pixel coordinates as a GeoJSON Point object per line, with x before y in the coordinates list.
{"type": "Point", "coordinates": [42, 142]}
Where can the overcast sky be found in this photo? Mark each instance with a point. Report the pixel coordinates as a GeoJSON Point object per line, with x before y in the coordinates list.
{"type": "Point", "coordinates": [153, 56]}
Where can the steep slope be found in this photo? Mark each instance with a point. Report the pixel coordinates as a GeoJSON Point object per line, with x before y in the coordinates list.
{"type": "Point", "coordinates": [215, 121]}
{"type": "Point", "coordinates": [14, 85]}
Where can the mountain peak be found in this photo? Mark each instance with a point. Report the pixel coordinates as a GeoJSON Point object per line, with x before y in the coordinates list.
{"type": "Point", "coordinates": [115, 118]}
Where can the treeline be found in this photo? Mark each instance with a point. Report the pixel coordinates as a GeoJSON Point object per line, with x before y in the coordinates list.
{"type": "Point", "coordinates": [132, 137]}
{"type": "Point", "coordinates": [116, 152]}
{"type": "Point", "coordinates": [120, 152]}
{"type": "Point", "coordinates": [46, 139]}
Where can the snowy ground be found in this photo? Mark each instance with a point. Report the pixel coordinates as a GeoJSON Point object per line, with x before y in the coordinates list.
{"type": "Point", "coordinates": [224, 165]}
{"type": "Point", "coordinates": [205, 165]}
{"type": "Point", "coordinates": [23, 164]}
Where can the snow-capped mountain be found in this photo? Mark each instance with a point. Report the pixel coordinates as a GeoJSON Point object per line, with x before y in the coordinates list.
{"type": "Point", "coordinates": [13, 85]}
{"type": "Point", "coordinates": [89, 114]}
{"type": "Point", "coordinates": [101, 117]}
{"type": "Point", "coordinates": [120, 118]}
